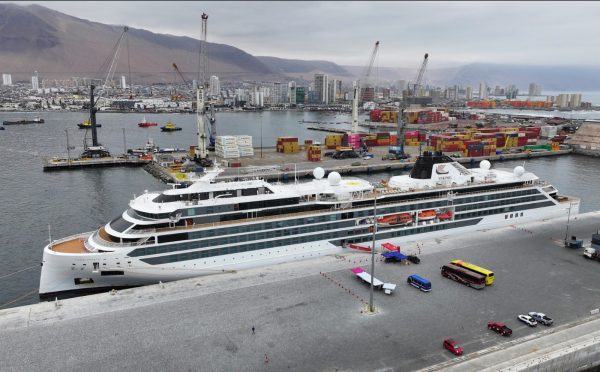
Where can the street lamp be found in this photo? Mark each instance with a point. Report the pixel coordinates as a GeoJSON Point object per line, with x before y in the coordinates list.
{"type": "Point", "coordinates": [371, 307]}
{"type": "Point", "coordinates": [261, 143]}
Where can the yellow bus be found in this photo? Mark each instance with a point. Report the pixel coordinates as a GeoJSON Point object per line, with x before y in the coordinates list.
{"type": "Point", "coordinates": [489, 275]}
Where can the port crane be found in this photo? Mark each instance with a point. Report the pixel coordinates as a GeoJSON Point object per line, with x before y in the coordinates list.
{"type": "Point", "coordinates": [201, 154]}
{"type": "Point", "coordinates": [357, 87]}
{"type": "Point", "coordinates": [419, 79]}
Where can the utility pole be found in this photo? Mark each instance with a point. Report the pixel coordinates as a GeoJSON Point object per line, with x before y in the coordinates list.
{"type": "Point", "coordinates": [371, 307]}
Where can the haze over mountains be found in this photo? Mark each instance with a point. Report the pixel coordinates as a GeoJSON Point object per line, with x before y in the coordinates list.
{"type": "Point", "coordinates": [59, 46]}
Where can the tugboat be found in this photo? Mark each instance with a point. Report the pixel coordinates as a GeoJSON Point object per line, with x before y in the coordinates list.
{"type": "Point", "coordinates": [36, 120]}
{"type": "Point", "coordinates": [170, 127]}
{"type": "Point", "coordinates": [146, 124]}
{"type": "Point", "coordinates": [87, 124]}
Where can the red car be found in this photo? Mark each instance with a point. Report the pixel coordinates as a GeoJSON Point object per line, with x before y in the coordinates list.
{"type": "Point", "coordinates": [452, 346]}
{"type": "Point", "coordinates": [500, 328]}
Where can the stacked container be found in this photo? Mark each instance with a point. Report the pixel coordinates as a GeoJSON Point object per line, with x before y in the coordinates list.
{"type": "Point", "coordinates": [288, 145]}
{"type": "Point", "coordinates": [314, 153]}
{"type": "Point", "coordinates": [244, 144]}
{"type": "Point", "coordinates": [354, 140]}
{"type": "Point", "coordinates": [333, 140]}
{"type": "Point", "coordinates": [411, 138]}
{"type": "Point", "coordinates": [226, 147]}
{"type": "Point", "coordinates": [383, 139]}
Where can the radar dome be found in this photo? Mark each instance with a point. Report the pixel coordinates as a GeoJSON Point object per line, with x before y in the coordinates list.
{"type": "Point", "coordinates": [318, 173]}
{"type": "Point", "coordinates": [518, 171]}
{"type": "Point", "coordinates": [334, 178]}
{"type": "Point", "coordinates": [485, 165]}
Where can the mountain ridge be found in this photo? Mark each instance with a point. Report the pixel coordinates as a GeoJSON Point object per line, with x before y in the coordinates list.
{"type": "Point", "coordinates": [61, 46]}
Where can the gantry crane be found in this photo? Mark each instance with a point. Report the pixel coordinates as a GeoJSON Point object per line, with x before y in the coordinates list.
{"type": "Point", "coordinates": [357, 87]}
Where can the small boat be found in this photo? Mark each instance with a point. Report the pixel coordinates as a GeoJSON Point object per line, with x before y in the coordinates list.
{"type": "Point", "coordinates": [146, 124]}
{"type": "Point", "coordinates": [35, 120]}
{"type": "Point", "coordinates": [170, 127]}
{"type": "Point", "coordinates": [87, 124]}
{"type": "Point", "coordinates": [427, 215]}
{"type": "Point", "coordinates": [2, 128]}
{"type": "Point", "coordinates": [395, 219]}
{"type": "Point", "coordinates": [445, 216]}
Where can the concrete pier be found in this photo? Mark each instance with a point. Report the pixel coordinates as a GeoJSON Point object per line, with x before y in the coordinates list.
{"type": "Point", "coordinates": [586, 140]}
{"type": "Point", "coordinates": [311, 316]}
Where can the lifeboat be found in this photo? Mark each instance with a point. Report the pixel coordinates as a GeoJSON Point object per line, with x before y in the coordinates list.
{"type": "Point", "coordinates": [395, 219]}
{"type": "Point", "coordinates": [427, 215]}
{"type": "Point", "coordinates": [445, 216]}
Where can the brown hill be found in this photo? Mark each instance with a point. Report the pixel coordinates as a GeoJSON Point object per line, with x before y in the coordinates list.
{"type": "Point", "coordinates": [59, 46]}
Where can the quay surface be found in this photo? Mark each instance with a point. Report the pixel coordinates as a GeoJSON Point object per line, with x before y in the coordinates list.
{"type": "Point", "coordinates": [274, 166]}
{"type": "Point", "coordinates": [310, 315]}
{"type": "Point", "coordinates": [65, 164]}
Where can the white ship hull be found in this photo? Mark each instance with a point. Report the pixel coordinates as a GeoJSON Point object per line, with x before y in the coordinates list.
{"type": "Point", "coordinates": [61, 271]}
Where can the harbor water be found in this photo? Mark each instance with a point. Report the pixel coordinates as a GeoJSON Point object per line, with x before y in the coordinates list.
{"type": "Point", "coordinates": [36, 205]}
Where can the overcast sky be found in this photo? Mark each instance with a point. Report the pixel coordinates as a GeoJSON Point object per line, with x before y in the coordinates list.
{"type": "Point", "coordinates": [453, 33]}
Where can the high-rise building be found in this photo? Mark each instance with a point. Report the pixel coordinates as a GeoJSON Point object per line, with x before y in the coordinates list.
{"type": "Point", "coordinates": [562, 100]}
{"type": "Point", "coordinates": [483, 94]}
{"type": "Point", "coordinates": [401, 85]}
{"type": "Point", "coordinates": [575, 101]}
{"type": "Point", "coordinates": [123, 83]}
{"type": "Point", "coordinates": [535, 89]}
{"type": "Point", "coordinates": [301, 95]}
{"type": "Point", "coordinates": [512, 92]}
{"type": "Point", "coordinates": [214, 88]}
{"type": "Point", "coordinates": [334, 90]}
{"type": "Point", "coordinates": [35, 81]}
{"type": "Point", "coordinates": [6, 79]}
{"type": "Point", "coordinates": [279, 94]}
{"type": "Point", "coordinates": [469, 92]}
{"type": "Point", "coordinates": [321, 88]}
{"type": "Point", "coordinates": [292, 92]}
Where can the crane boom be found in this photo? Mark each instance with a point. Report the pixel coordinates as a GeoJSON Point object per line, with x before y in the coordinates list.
{"type": "Point", "coordinates": [181, 75]}
{"type": "Point", "coordinates": [369, 66]}
{"type": "Point", "coordinates": [419, 79]}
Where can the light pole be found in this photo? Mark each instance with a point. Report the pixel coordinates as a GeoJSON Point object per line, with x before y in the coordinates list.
{"type": "Point", "coordinates": [261, 135]}
{"type": "Point", "coordinates": [371, 307]}
{"type": "Point", "coordinates": [568, 220]}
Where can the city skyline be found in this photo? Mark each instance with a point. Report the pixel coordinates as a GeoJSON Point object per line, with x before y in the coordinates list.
{"type": "Point", "coordinates": [525, 33]}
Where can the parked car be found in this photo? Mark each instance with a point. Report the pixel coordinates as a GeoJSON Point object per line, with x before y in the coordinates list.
{"type": "Point", "coordinates": [452, 346]}
{"type": "Point", "coordinates": [527, 320]}
{"type": "Point", "coordinates": [413, 259]}
{"type": "Point", "coordinates": [329, 153]}
{"type": "Point", "coordinates": [541, 318]}
{"type": "Point", "coordinates": [500, 328]}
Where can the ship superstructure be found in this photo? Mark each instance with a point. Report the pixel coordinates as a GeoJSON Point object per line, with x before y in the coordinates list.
{"type": "Point", "coordinates": [212, 227]}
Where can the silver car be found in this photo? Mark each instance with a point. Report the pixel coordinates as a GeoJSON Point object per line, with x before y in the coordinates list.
{"type": "Point", "coordinates": [541, 318]}
{"type": "Point", "coordinates": [527, 320]}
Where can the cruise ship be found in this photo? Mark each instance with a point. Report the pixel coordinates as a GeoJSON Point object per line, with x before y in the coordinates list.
{"type": "Point", "coordinates": [213, 227]}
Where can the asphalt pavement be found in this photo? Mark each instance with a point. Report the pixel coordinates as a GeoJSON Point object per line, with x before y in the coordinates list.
{"type": "Point", "coordinates": [311, 315]}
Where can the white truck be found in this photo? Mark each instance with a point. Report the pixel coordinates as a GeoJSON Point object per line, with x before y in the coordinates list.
{"type": "Point", "coordinates": [593, 251]}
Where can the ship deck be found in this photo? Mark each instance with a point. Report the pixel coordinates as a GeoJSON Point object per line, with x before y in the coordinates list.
{"type": "Point", "coordinates": [75, 245]}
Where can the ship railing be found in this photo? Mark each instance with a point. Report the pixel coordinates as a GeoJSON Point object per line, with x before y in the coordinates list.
{"type": "Point", "coordinates": [70, 237]}
{"type": "Point", "coordinates": [97, 239]}
{"type": "Point", "coordinates": [367, 196]}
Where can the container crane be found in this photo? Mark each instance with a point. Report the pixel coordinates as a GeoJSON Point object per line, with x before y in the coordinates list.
{"type": "Point", "coordinates": [357, 87]}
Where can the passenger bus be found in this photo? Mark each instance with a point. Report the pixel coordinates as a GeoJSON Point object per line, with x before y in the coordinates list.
{"type": "Point", "coordinates": [489, 275]}
{"type": "Point", "coordinates": [464, 276]}
{"type": "Point", "coordinates": [419, 282]}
